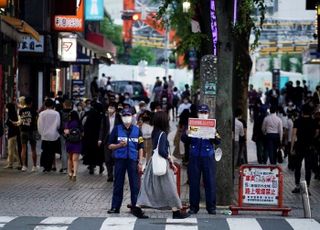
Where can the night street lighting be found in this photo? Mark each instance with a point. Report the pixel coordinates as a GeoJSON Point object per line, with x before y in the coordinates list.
{"type": "Point", "coordinates": [186, 6]}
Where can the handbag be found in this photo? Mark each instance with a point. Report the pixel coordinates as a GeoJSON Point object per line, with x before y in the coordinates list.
{"type": "Point", "coordinates": [159, 164]}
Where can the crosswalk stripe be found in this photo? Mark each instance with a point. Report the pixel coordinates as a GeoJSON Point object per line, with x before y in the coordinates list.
{"type": "Point", "coordinates": [58, 220]}
{"type": "Point", "coordinates": [243, 224]}
{"type": "Point", "coordinates": [55, 223]}
{"type": "Point", "coordinates": [115, 223]}
{"type": "Point", "coordinates": [184, 224]}
{"type": "Point", "coordinates": [303, 224]}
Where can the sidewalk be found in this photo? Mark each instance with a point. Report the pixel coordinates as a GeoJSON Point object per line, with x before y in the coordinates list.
{"type": "Point", "coordinates": [38, 194]}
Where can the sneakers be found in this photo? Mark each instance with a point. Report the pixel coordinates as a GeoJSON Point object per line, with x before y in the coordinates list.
{"type": "Point", "coordinates": [34, 169]}
{"type": "Point", "coordinates": [296, 190]}
{"type": "Point", "coordinates": [24, 169]}
{"type": "Point", "coordinates": [63, 171]}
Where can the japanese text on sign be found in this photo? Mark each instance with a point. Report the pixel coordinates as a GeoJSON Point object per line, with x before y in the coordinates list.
{"type": "Point", "coordinates": [260, 186]}
{"type": "Point", "coordinates": [202, 128]}
{"type": "Point", "coordinates": [29, 44]}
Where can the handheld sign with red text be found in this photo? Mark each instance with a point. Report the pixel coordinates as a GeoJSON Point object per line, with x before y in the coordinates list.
{"type": "Point", "coordinates": [202, 128]}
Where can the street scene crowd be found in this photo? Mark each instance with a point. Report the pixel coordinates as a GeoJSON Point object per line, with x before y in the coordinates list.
{"type": "Point", "coordinates": [110, 131]}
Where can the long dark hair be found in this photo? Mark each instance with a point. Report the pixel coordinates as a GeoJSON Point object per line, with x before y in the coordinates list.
{"type": "Point", "coordinates": [161, 122]}
{"type": "Point", "coordinates": [12, 112]}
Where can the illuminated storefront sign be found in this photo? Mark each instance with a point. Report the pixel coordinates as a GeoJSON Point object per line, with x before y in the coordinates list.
{"type": "Point", "coordinates": [94, 10]}
{"type": "Point", "coordinates": [3, 3]}
{"type": "Point", "coordinates": [71, 22]}
{"type": "Point", "coordinates": [67, 49]}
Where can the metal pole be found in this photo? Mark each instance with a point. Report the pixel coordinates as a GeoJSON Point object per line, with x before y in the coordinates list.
{"type": "Point", "coordinates": [305, 199]}
{"type": "Point", "coordinates": [167, 47]}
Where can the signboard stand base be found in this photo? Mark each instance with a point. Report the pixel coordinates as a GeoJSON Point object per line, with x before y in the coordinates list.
{"type": "Point", "coordinates": [235, 209]}
{"type": "Point", "coordinates": [257, 184]}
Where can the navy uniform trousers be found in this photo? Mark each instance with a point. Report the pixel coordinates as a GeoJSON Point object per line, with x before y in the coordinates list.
{"type": "Point", "coordinates": [207, 167]}
{"type": "Point", "coordinates": [120, 168]}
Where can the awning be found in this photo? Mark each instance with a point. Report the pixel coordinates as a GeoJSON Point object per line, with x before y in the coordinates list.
{"type": "Point", "coordinates": [100, 52]}
{"type": "Point", "coordinates": [16, 28]}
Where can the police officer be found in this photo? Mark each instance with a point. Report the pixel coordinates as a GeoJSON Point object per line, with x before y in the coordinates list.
{"type": "Point", "coordinates": [202, 162]}
{"type": "Point", "coordinates": [126, 142]}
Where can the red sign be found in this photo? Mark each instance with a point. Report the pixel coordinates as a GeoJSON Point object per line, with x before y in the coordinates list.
{"type": "Point", "coordinates": [202, 122]}
{"type": "Point", "coordinates": [71, 22]}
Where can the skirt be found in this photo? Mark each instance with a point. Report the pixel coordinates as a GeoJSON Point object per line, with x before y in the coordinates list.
{"type": "Point", "coordinates": [159, 192]}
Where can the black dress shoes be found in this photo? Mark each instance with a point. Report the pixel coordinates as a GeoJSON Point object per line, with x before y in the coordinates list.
{"type": "Point", "coordinates": [192, 211]}
{"type": "Point", "coordinates": [137, 212]}
{"type": "Point", "coordinates": [114, 211]}
{"type": "Point", "coordinates": [211, 211]}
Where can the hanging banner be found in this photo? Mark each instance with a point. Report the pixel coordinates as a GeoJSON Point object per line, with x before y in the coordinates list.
{"type": "Point", "coordinates": [71, 23]}
{"type": "Point", "coordinates": [202, 128]}
{"type": "Point", "coordinates": [29, 44]}
{"type": "Point", "coordinates": [94, 10]}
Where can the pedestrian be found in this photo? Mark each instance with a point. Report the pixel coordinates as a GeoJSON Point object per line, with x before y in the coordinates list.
{"type": "Point", "coordinates": [73, 132]}
{"type": "Point", "coordinates": [93, 153]}
{"type": "Point", "coordinates": [146, 129]}
{"type": "Point", "coordinates": [126, 142]}
{"type": "Point", "coordinates": [129, 89]}
{"type": "Point", "coordinates": [48, 128]}
{"type": "Point", "coordinates": [160, 191]}
{"type": "Point", "coordinates": [13, 131]}
{"type": "Point", "coordinates": [238, 133]}
{"type": "Point", "coordinates": [202, 162]}
{"type": "Point", "coordinates": [94, 88]}
{"type": "Point", "coordinates": [273, 131]}
{"type": "Point", "coordinates": [175, 103]}
{"type": "Point", "coordinates": [259, 113]}
{"type": "Point", "coordinates": [305, 132]}
{"type": "Point", "coordinates": [108, 122]}
{"type": "Point", "coordinates": [28, 131]}
{"type": "Point", "coordinates": [64, 117]}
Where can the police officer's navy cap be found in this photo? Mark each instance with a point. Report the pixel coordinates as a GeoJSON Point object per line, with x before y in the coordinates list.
{"type": "Point", "coordinates": [126, 112]}
{"type": "Point", "coordinates": [203, 108]}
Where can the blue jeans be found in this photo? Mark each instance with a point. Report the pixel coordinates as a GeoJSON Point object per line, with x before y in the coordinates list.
{"type": "Point", "coordinates": [207, 167]}
{"type": "Point", "coordinates": [121, 166]}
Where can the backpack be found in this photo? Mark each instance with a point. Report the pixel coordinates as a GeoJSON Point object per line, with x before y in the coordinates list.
{"type": "Point", "coordinates": [74, 135]}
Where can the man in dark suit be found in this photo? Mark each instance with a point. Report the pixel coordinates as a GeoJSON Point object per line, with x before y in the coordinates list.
{"type": "Point", "coordinates": [109, 121]}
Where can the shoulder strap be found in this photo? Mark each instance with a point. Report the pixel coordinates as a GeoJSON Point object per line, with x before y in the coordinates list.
{"type": "Point", "coordinates": [159, 139]}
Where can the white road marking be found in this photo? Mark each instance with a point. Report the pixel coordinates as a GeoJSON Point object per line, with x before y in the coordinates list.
{"type": "Point", "coordinates": [115, 223]}
{"type": "Point", "coordinates": [6, 219]}
{"type": "Point", "coordinates": [182, 224]}
{"type": "Point", "coordinates": [55, 223]}
{"type": "Point", "coordinates": [243, 224]}
{"type": "Point", "coordinates": [303, 224]}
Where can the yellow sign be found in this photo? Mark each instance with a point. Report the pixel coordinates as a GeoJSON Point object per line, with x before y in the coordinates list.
{"type": "Point", "coordinates": [3, 3]}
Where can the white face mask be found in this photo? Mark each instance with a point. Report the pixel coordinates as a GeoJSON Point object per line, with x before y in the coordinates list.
{"type": "Point", "coordinates": [127, 119]}
{"type": "Point", "coordinates": [203, 116]}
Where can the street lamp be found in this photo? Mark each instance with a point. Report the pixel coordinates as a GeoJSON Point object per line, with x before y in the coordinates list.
{"type": "Point", "coordinates": [186, 6]}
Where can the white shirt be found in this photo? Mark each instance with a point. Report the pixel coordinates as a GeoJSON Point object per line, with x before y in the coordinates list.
{"type": "Point", "coordinates": [272, 124]}
{"type": "Point", "coordinates": [48, 125]}
{"type": "Point", "coordinates": [182, 107]}
{"type": "Point", "coordinates": [238, 129]}
{"type": "Point", "coordinates": [103, 82]}
{"type": "Point", "coordinates": [290, 128]}
{"type": "Point", "coordinates": [111, 122]}
{"type": "Point", "coordinates": [129, 89]}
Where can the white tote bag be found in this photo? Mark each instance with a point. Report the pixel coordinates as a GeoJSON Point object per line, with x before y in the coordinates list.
{"type": "Point", "coordinates": [159, 164]}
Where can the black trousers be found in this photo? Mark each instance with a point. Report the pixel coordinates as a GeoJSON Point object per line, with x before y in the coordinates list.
{"type": "Point", "coordinates": [109, 161]}
{"type": "Point", "coordinates": [49, 148]}
{"type": "Point", "coordinates": [303, 151]}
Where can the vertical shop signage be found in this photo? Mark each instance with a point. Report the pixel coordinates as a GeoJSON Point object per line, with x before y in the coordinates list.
{"type": "Point", "coordinates": [67, 49]}
{"type": "Point", "coordinates": [71, 22]}
{"type": "Point", "coordinates": [94, 10]}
